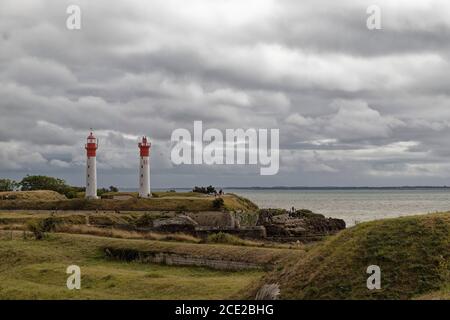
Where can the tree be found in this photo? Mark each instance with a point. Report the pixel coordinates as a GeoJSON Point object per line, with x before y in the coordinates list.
{"type": "Point", "coordinates": [102, 191]}
{"type": "Point", "coordinates": [43, 183]}
{"type": "Point", "coordinates": [208, 190]}
{"type": "Point", "coordinates": [199, 189]}
{"type": "Point", "coordinates": [8, 185]}
{"type": "Point", "coordinates": [30, 183]}
{"type": "Point", "coordinates": [113, 189]}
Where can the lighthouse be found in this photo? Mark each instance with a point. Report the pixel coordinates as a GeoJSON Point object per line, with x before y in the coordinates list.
{"type": "Point", "coordinates": [91, 167]}
{"type": "Point", "coordinates": [144, 168]}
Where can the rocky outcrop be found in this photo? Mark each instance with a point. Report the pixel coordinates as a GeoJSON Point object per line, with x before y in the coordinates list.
{"type": "Point", "coordinates": [214, 219]}
{"type": "Point", "coordinates": [301, 224]}
{"type": "Point", "coordinates": [253, 232]}
{"type": "Point", "coordinates": [180, 223]}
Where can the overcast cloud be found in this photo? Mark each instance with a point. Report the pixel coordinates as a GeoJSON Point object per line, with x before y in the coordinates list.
{"type": "Point", "coordinates": [354, 106]}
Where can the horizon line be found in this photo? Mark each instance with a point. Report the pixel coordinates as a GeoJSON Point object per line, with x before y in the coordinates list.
{"type": "Point", "coordinates": [314, 187]}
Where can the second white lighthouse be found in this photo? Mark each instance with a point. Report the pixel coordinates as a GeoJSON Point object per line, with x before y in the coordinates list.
{"type": "Point", "coordinates": [91, 167]}
{"type": "Point", "coordinates": [144, 168]}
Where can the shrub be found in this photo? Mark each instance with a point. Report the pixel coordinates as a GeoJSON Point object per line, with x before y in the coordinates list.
{"type": "Point", "coordinates": [71, 194]}
{"type": "Point", "coordinates": [207, 190]}
{"type": "Point", "coordinates": [218, 203]}
{"type": "Point", "coordinates": [8, 185]}
{"type": "Point", "coordinates": [144, 221]}
{"type": "Point", "coordinates": [39, 228]}
{"type": "Point", "coordinates": [35, 227]}
{"type": "Point", "coordinates": [225, 238]}
{"type": "Point", "coordinates": [30, 183]}
{"type": "Point", "coordinates": [48, 224]}
{"type": "Point", "coordinates": [102, 191]}
{"type": "Point", "coordinates": [181, 209]}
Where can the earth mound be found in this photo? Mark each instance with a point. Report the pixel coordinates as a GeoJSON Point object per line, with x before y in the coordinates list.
{"type": "Point", "coordinates": [413, 254]}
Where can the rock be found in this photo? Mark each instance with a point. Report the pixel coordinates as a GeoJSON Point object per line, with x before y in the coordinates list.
{"type": "Point", "coordinates": [214, 219]}
{"type": "Point", "coordinates": [299, 224]}
{"type": "Point", "coordinates": [268, 292]}
{"type": "Point", "coordinates": [180, 223]}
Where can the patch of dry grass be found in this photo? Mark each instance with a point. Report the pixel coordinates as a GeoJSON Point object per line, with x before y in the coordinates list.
{"type": "Point", "coordinates": [14, 226]}
{"type": "Point", "coordinates": [43, 195]}
{"type": "Point", "coordinates": [225, 238]}
{"type": "Point", "coordinates": [124, 234]}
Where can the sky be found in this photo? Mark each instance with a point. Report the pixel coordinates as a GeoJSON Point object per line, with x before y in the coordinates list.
{"type": "Point", "coordinates": [354, 106]}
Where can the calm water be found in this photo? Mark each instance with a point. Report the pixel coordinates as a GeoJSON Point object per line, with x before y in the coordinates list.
{"type": "Point", "coordinates": [354, 205]}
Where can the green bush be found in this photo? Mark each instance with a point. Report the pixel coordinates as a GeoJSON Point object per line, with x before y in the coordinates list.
{"type": "Point", "coordinates": [207, 190]}
{"type": "Point", "coordinates": [35, 227]}
{"type": "Point", "coordinates": [48, 224]}
{"type": "Point", "coordinates": [181, 209]}
{"type": "Point", "coordinates": [30, 183]}
{"type": "Point", "coordinates": [71, 194]}
{"type": "Point", "coordinates": [39, 228]}
{"type": "Point", "coordinates": [144, 221]}
{"type": "Point", "coordinates": [8, 185]}
{"type": "Point", "coordinates": [218, 203]}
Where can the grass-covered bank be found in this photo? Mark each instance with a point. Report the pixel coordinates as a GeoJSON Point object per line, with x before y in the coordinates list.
{"type": "Point", "coordinates": [168, 201]}
{"type": "Point", "coordinates": [412, 252]}
{"type": "Point", "coordinates": [31, 269]}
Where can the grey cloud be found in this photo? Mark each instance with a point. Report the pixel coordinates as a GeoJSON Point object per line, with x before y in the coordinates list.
{"type": "Point", "coordinates": [350, 103]}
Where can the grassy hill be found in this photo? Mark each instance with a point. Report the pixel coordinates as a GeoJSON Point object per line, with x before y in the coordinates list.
{"type": "Point", "coordinates": [412, 252]}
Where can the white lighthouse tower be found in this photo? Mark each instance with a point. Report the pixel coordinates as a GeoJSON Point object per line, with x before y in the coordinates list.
{"type": "Point", "coordinates": [144, 168]}
{"type": "Point", "coordinates": [91, 167]}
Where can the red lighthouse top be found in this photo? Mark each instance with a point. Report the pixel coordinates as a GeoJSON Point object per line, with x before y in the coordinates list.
{"type": "Point", "coordinates": [144, 147]}
{"type": "Point", "coordinates": [91, 145]}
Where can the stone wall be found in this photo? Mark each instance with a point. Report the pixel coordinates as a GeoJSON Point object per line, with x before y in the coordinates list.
{"type": "Point", "coordinates": [184, 260]}
{"type": "Point", "coordinates": [179, 259]}
{"type": "Point", "coordinates": [257, 232]}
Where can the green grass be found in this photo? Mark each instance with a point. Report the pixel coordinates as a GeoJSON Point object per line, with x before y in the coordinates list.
{"type": "Point", "coordinates": [190, 201]}
{"type": "Point", "coordinates": [442, 294]}
{"type": "Point", "coordinates": [81, 217]}
{"type": "Point", "coordinates": [31, 269]}
{"type": "Point", "coordinates": [158, 194]}
{"type": "Point", "coordinates": [412, 252]}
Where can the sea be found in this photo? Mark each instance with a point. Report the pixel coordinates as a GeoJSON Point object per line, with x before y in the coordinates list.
{"type": "Point", "coordinates": [353, 205]}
